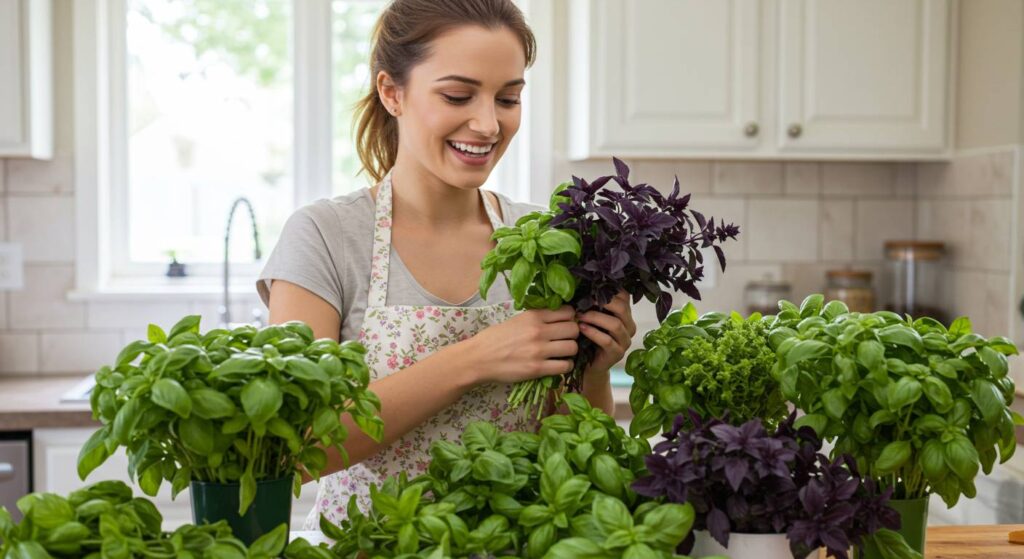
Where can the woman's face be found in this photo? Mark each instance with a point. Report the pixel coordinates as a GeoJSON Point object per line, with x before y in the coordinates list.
{"type": "Point", "coordinates": [459, 108]}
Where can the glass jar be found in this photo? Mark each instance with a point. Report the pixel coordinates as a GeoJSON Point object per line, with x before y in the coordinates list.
{"type": "Point", "coordinates": [913, 278]}
{"type": "Point", "coordinates": [852, 287]}
{"type": "Point", "coordinates": [763, 296]}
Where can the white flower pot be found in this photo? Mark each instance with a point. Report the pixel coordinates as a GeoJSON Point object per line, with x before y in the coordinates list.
{"type": "Point", "coordinates": [745, 546]}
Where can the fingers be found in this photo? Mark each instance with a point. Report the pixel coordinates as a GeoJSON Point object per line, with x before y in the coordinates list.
{"type": "Point", "coordinates": [565, 312]}
{"type": "Point", "coordinates": [603, 340]}
{"type": "Point", "coordinates": [612, 325]}
{"type": "Point", "coordinates": [565, 330]}
{"type": "Point", "coordinates": [621, 307]}
{"type": "Point", "coordinates": [560, 348]}
{"type": "Point", "coordinates": [555, 367]}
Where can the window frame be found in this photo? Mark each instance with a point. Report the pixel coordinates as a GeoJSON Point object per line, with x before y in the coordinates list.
{"type": "Point", "coordinates": [100, 144]}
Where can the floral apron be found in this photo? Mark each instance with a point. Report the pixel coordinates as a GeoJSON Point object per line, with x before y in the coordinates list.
{"type": "Point", "coordinates": [396, 336]}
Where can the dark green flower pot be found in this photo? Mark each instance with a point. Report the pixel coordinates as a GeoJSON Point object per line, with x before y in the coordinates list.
{"type": "Point", "coordinates": [219, 501]}
{"type": "Point", "coordinates": [913, 523]}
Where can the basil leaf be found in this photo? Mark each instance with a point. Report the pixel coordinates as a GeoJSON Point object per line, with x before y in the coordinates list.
{"type": "Point", "coordinates": [169, 394]}
{"type": "Point", "coordinates": [261, 398]}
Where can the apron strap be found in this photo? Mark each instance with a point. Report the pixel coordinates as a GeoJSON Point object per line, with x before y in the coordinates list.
{"type": "Point", "coordinates": [380, 260]}
{"type": "Point", "coordinates": [381, 256]}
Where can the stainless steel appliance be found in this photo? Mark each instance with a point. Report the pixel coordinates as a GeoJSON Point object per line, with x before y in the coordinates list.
{"type": "Point", "coordinates": [15, 470]}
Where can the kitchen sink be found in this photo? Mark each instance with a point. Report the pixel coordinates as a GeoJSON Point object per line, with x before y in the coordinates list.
{"type": "Point", "coordinates": [80, 392]}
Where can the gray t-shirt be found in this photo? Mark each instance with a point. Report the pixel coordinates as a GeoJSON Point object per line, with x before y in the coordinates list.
{"type": "Point", "coordinates": [325, 247]}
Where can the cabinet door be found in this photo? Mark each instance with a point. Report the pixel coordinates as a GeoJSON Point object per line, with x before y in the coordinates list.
{"type": "Point", "coordinates": [663, 77]}
{"type": "Point", "coordinates": [26, 67]}
{"type": "Point", "coordinates": [869, 76]}
{"type": "Point", "coordinates": [12, 131]}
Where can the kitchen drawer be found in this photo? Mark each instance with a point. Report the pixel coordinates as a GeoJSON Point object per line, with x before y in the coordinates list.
{"type": "Point", "coordinates": [15, 475]}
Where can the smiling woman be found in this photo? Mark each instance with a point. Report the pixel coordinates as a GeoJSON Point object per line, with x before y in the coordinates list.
{"type": "Point", "coordinates": [397, 266]}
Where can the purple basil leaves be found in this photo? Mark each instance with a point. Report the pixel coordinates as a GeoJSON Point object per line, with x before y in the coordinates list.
{"type": "Point", "coordinates": [636, 239]}
{"type": "Point", "coordinates": [744, 479]}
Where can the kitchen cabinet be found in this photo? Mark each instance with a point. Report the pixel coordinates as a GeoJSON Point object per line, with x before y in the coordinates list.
{"type": "Point", "coordinates": [662, 77]}
{"type": "Point", "coordinates": [55, 469]}
{"type": "Point", "coordinates": [858, 77]}
{"type": "Point", "coordinates": [26, 68]}
{"type": "Point", "coordinates": [760, 79]}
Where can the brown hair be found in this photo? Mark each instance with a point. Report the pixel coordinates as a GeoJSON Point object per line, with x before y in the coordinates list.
{"type": "Point", "coordinates": [401, 40]}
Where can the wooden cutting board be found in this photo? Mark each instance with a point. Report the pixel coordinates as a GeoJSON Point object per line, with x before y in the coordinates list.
{"type": "Point", "coordinates": [972, 542]}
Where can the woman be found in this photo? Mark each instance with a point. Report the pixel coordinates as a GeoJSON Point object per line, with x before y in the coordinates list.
{"type": "Point", "coordinates": [396, 266]}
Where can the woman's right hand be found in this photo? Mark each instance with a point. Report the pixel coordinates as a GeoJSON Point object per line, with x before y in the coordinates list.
{"type": "Point", "coordinates": [531, 344]}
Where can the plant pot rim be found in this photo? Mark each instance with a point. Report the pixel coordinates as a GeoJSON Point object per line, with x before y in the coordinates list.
{"type": "Point", "coordinates": [733, 533]}
{"type": "Point", "coordinates": [237, 483]}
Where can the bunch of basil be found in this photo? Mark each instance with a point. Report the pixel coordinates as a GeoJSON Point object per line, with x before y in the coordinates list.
{"type": "Point", "coordinates": [920, 406]}
{"type": "Point", "coordinates": [562, 493]}
{"type": "Point", "coordinates": [229, 406]}
{"type": "Point", "coordinates": [715, 365]}
{"type": "Point", "coordinates": [595, 241]}
{"type": "Point", "coordinates": [104, 520]}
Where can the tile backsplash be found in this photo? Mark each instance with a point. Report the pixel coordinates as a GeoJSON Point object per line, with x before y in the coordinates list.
{"type": "Point", "coordinates": [798, 219]}
{"type": "Point", "coordinates": [969, 205]}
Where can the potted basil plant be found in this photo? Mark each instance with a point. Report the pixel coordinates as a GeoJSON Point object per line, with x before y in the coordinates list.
{"type": "Point", "coordinates": [237, 415]}
{"type": "Point", "coordinates": [767, 495]}
{"type": "Point", "coordinates": [921, 407]}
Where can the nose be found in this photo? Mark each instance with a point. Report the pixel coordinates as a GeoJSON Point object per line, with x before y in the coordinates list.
{"type": "Point", "coordinates": [485, 120]}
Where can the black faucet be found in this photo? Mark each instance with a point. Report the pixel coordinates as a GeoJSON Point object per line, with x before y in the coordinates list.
{"type": "Point", "coordinates": [225, 310]}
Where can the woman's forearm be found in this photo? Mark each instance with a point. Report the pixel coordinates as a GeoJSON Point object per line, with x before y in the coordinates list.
{"type": "Point", "coordinates": [409, 397]}
{"type": "Point", "coordinates": [597, 389]}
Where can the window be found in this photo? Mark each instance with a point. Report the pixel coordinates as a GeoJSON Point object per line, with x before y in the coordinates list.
{"type": "Point", "coordinates": [183, 106]}
{"type": "Point", "coordinates": [208, 119]}
{"type": "Point", "coordinates": [351, 26]}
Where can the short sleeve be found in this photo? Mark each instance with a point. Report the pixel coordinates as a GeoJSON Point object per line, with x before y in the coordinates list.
{"type": "Point", "coordinates": [302, 257]}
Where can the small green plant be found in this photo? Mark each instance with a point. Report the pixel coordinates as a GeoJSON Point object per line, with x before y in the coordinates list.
{"type": "Point", "coordinates": [519, 494]}
{"type": "Point", "coordinates": [104, 520]}
{"type": "Point", "coordinates": [715, 365]}
{"type": "Point", "coordinates": [921, 407]}
{"type": "Point", "coordinates": [229, 406]}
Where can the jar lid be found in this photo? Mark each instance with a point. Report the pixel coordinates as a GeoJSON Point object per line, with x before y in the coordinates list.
{"type": "Point", "coordinates": [768, 284]}
{"type": "Point", "coordinates": [914, 250]}
{"type": "Point", "coordinates": [849, 273]}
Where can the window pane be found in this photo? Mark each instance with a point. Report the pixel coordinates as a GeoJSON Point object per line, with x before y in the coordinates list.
{"type": "Point", "coordinates": [352, 25]}
{"type": "Point", "coordinates": [210, 119]}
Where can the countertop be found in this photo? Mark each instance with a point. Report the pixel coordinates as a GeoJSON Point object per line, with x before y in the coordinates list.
{"type": "Point", "coordinates": [34, 402]}
{"type": "Point", "coordinates": [972, 542]}
{"type": "Point", "coordinates": [943, 542]}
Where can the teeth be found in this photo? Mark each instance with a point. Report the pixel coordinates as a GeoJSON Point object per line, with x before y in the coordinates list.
{"type": "Point", "coordinates": [472, 149]}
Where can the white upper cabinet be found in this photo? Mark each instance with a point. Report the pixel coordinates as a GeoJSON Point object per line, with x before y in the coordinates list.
{"type": "Point", "coordinates": [800, 79]}
{"type": "Point", "coordinates": [662, 76]}
{"type": "Point", "coordinates": [26, 70]}
{"type": "Point", "coordinates": [864, 76]}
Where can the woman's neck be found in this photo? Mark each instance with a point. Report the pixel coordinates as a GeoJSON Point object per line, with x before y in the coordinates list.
{"type": "Point", "coordinates": [421, 198]}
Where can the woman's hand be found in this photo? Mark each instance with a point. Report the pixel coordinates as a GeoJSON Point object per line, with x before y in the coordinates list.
{"type": "Point", "coordinates": [613, 333]}
{"type": "Point", "coordinates": [531, 344]}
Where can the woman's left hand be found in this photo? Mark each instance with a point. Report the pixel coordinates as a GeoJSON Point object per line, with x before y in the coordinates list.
{"type": "Point", "coordinates": [612, 333]}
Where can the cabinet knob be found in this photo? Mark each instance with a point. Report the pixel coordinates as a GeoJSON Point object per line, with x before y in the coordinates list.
{"type": "Point", "coordinates": [6, 471]}
{"type": "Point", "coordinates": [795, 130]}
{"type": "Point", "coordinates": [751, 129]}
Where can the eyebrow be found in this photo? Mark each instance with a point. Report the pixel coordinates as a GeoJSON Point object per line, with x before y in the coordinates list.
{"type": "Point", "coordinates": [478, 83]}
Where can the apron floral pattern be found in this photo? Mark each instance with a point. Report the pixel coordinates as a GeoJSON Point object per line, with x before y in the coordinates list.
{"type": "Point", "coordinates": [396, 337]}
